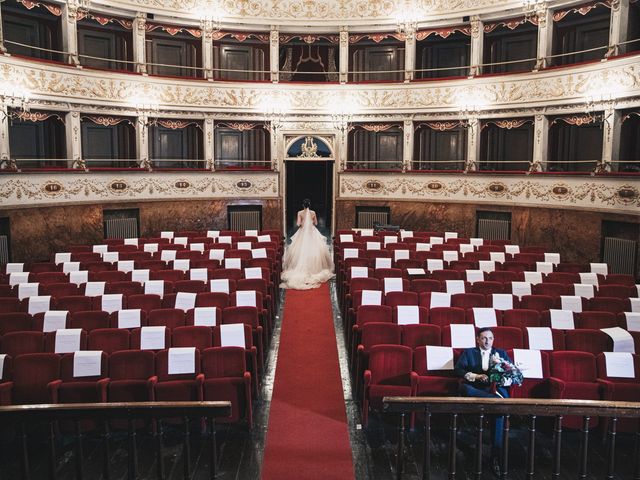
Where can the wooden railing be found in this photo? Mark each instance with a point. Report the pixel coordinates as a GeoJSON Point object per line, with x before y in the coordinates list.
{"type": "Point", "coordinates": [21, 417]}
{"type": "Point", "coordinates": [528, 409]}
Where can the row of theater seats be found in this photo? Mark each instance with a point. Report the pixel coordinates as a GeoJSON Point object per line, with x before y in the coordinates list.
{"type": "Point", "coordinates": [214, 373]}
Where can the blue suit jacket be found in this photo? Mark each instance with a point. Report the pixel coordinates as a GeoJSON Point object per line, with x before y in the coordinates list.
{"type": "Point", "coordinates": [471, 360]}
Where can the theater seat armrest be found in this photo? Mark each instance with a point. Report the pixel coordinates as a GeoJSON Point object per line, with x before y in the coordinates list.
{"type": "Point", "coordinates": [414, 383]}
{"type": "Point", "coordinates": [556, 387]}
{"type": "Point", "coordinates": [5, 393]}
{"type": "Point", "coordinates": [367, 378]}
{"type": "Point", "coordinates": [102, 385]}
{"type": "Point", "coordinates": [151, 383]}
{"type": "Point", "coordinates": [53, 390]}
{"type": "Point", "coordinates": [200, 379]}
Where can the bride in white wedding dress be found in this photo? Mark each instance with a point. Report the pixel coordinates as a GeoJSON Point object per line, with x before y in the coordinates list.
{"type": "Point", "coordinates": [307, 261]}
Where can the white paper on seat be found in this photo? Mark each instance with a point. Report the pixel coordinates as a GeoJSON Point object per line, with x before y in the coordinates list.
{"type": "Point", "coordinates": [168, 235]}
{"type": "Point", "coordinates": [225, 239]}
{"type": "Point", "coordinates": [216, 254]}
{"type": "Point", "coordinates": [141, 276]}
{"type": "Point", "coordinates": [622, 340]}
{"type": "Point", "coordinates": [185, 301]}
{"type": "Point", "coordinates": [529, 362]}
{"type": "Point", "coordinates": [67, 340]}
{"type": "Point", "coordinates": [366, 232]}
{"type": "Point", "coordinates": [102, 249]}
{"type": "Point", "coordinates": [131, 241]}
{"type": "Point", "coordinates": [213, 233]}
{"type": "Point", "coordinates": [246, 298]}
{"type": "Point", "coordinates": [406, 234]}
{"type": "Point", "coordinates": [475, 276]}
{"type": "Point", "coordinates": [497, 257]}
{"type": "Point", "coordinates": [520, 288]}
{"type": "Point", "coordinates": [552, 258]}
{"type": "Point", "coordinates": [454, 286]}
{"type": "Point", "coordinates": [235, 263]}
{"type": "Point", "coordinates": [502, 301]}
{"type": "Point", "coordinates": [408, 314]}
{"type": "Point", "coordinates": [39, 304]}
{"type": "Point", "coordinates": [373, 245]}
{"type": "Point", "coordinates": [154, 287]}
{"type": "Point", "coordinates": [94, 289]}
{"type": "Point", "coordinates": [26, 290]}
{"type": "Point", "coordinates": [601, 268]}
{"type": "Point", "coordinates": [253, 272]}
{"type": "Point", "coordinates": [589, 278]}
{"type": "Point", "coordinates": [448, 235]}
{"type": "Point", "coordinates": [439, 358]}
{"type": "Point", "coordinates": [635, 304]}
{"type": "Point", "coordinates": [450, 255]}
{"type": "Point", "coordinates": [416, 271]}
{"type": "Point", "coordinates": [68, 267]}
{"type": "Point", "coordinates": [389, 239]}
{"type": "Point", "coordinates": [112, 302]}
{"type": "Point", "coordinates": [2, 357]}
{"type": "Point", "coordinates": [540, 338]}
{"type": "Point", "coordinates": [201, 274]}
{"type": "Point", "coordinates": [571, 302]}
{"type": "Point", "coordinates": [219, 285]}
{"type": "Point", "coordinates": [583, 290]}
{"type": "Point", "coordinates": [182, 264]}
{"type": "Point", "coordinates": [259, 253]}
{"type": "Point", "coordinates": [638, 290]}
{"type": "Point", "coordinates": [619, 364]}
{"type": "Point", "coordinates": [392, 285]}
{"type": "Point", "coordinates": [512, 249]}
{"type": "Point", "coordinates": [382, 263]}
{"type": "Point", "coordinates": [350, 253]}
{"type": "Point", "coordinates": [126, 265]}
{"type": "Point", "coordinates": [54, 320]}
{"type": "Point", "coordinates": [533, 277]}
{"type": "Point", "coordinates": [251, 233]}
{"type": "Point", "coordinates": [205, 316]}
{"type": "Point", "coordinates": [401, 255]}
{"type": "Point", "coordinates": [435, 264]}
{"type": "Point", "coordinates": [150, 247]}
{"type": "Point", "coordinates": [152, 338]}
{"type": "Point", "coordinates": [17, 278]}
{"type": "Point", "coordinates": [436, 240]}
{"type": "Point", "coordinates": [633, 321]}
{"type": "Point", "coordinates": [487, 266]}
{"type": "Point", "coordinates": [466, 248]}
{"type": "Point", "coordinates": [484, 317]}
{"type": "Point", "coordinates": [62, 258]}
{"type": "Point", "coordinates": [111, 257]}
{"type": "Point", "coordinates": [440, 299]}
{"type": "Point", "coordinates": [463, 335]}
{"type": "Point", "coordinates": [423, 247]}
{"type": "Point", "coordinates": [371, 297]}
{"type": "Point", "coordinates": [129, 318]}
{"type": "Point", "coordinates": [14, 268]}
{"type": "Point", "coordinates": [182, 360]}
{"type": "Point", "coordinates": [181, 241]}
{"type": "Point", "coordinates": [346, 237]}
{"type": "Point", "coordinates": [87, 363]}
{"type": "Point", "coordinates": [243, 246]}
{"type": "Point", "coordinates": [359, 272]}
{"type": "Point", "coordinates": [562, 319]}
{"type": "Point", "coordinates": [476, 241]}
{"type": "Point", "coordinates": [232, 335]}
{"type": "Point", "coordinates": [196, 247]}
{"type": "Point", "coordinates": [544, 267]}
{"type": "Point", "coordinates": [168, 255]}
{"type": "Point", "coordinates": [78, 277]}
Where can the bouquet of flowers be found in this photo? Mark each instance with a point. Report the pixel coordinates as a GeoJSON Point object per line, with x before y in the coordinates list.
{"type": "Point", "coordinates": [504, 373]}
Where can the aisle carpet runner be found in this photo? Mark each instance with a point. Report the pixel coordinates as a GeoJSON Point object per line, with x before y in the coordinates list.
{"type": "Point", "coordinates": [307, 437]}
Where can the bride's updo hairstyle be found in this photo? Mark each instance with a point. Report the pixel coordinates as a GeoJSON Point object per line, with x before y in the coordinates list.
{"type": "Point", "coordinates": [306, 203]}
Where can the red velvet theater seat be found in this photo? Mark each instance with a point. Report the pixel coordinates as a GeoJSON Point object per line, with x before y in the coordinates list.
{"type": "Point", "coordinates": [32, 375]}
{"type": "Point", "coordinates": [109, 340]}
{"type": "Point", "coordinates": [414, 336]}
{"type": "Point", "coordinates": [86, 389]}
{"type": "Point", "coordinates": [625, 389]}
{"type": "Point", "coordinates": [183, 387]}
{"type": "Point", "coordinates": [433, 382]}
{"type": "Point", "coordinates": [132, 374]}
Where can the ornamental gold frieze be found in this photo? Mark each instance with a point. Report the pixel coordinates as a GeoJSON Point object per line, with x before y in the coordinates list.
{"type": "Point", "coordinates": [609, 194]}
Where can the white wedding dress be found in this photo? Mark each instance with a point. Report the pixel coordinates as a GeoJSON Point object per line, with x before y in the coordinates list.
{"type": "Point", "coordinates": [307, 260]}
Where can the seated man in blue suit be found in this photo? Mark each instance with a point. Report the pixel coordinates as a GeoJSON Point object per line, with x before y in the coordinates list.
{"type": "Point", "coordinates": [473, 365]}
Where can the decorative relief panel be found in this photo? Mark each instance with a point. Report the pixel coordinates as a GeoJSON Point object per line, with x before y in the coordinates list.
{"type": "Point", "coordinates": [610, 194]}
{"type": "Point", "coordinates": [18, 190]}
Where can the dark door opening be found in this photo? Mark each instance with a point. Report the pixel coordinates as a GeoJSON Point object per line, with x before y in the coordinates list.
{"type": "Point", "coordinates": [312, 180]}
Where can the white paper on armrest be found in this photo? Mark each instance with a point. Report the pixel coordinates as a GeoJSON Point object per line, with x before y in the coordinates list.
{"type": "Point", "coordinates": [371, 297]}
{"type": "Point", "coordinates": [484, 317]}
{"type": "Point", "coordinates": [17, 278]}
{"type": "Point", "coordinates": [219, 285]}
{"type": "Point", "coordinates": [440, 299]}
{"type": "Point", "coordinates": [373, 245]}
{"type": "Point", "coordinates": [533, 277]}
{"type": "Point", "coordinates": [182, 360]}
{"type": "Point", "coordinates": [450, 255]}
{"type": "Point", "coordinates": [67, 340]}
{"type": "Point", "coordinates": [366, 232]}
{"type": "Point", "coordinates": [553, 258]}
{"type": "Point", "coordinates": [232, 335]}
{"type": "Point", "coordinates": [2, 357]}
{"type": "Point", "coordinates": [152, 338]}
{"type": "Point", "coordinates": [259, 253]}
{"type": "Point", "coordinates": [126, 265]}
{"type": "Point", "coordinates": [454, 286]}
{"type": "Point", "coordinates": [141, 276]}
{"type": "Point", "coordinates": [350, 253]}
{"type": "Point", "coordinates": [583, 290]}
{"type": "Point", "coordinates": [94, 289]}
{"type": "Point", "coordinates": [389, 239]}
{"type": "Point", "coordinates": [487, 266]}
{"type": "Point", "coordinates": [589, 278]}
{"type": "Point", "coordinates": [408, 314]}
{"type": "Point", "coordinates": [502, 301]}
{"type": "Point", "coordinates": [216, 254]}
{"type": "Point", "coordinates": [619, 364]}
{"type": "Point", "coordinates": [571, 302]}
{"type": "Point", "coordinates": [131, 241]}
{"type": "Point", "coordinates": [185, 301]}
{"type": "Point", "coordinates": [463, 335]}
{"type": "Point", "coordinates": [633, 321]}
{"type": "Point", "coordinates": [448, 235]}
{"type": "Point", "coordinates": [14, 268]}
{"type": "Point", "coordinates": [520, 288]}
{"type": "Point", "coordinates": [382, 263]}
{"type": "Point", "coordinates": [54, 320]}
{"type": "Point", "coordinates": [497, 257]}
{"type": "Point", "coordinates": [196, 247]}
{"type": "Point", "coordinates": [62, 258]}
{"type": "Point", "coordinates": [416, 271]}
{"type": "Point", "coordinates": [435, 264]}
{"type": "Point", "coordinates": [561, 319]}
{"type": "Point", "coordinates": [129, 318]}
{"type": "Point", "coordinates": [253, 272]}
{"type": "Point", "coordinates": [68, 267]}
{"type": "Point", "coordinates": [423, 247]}
{"type": "Point", "coordinates": [635, 304]}
{"type": "Point", "coordinates": [246, 298]}
{"type": "Point", "coordinates": [201, 274]}
{"type": "Point", "coordinates": [154, 287]}
{"type": "Point", "coordinates": [111, 257]}
{"type": "Point", "coordinates": [401, 255]}
{"type": "Point", "coordinates": [476, 241]}
{"type": "Point", "coordinates": [529, 362]}
{"type": "Point", "coordinates": [112, 302]}
{"type": "Point", "coordinates": [601, 268]}
{"type": "Point", "coordinates": [181, 240]}
{"type": "Point", "coordinates": [182, 264]}
{"type": "Point", "coordinates": [78, 277]}
{"type": "Point", "coordinates": [251, 233]}
{"type": "Point", "coordinates": [225, 239]}
{"type": "Point", "coordinates": [168, 235]}
{"type": "Point", "coordinates": [544, 267]}
{"type": "Point", "coordinates": [466, 248]}
{"type": "Point", "coordinates": [39, 304]}
{"type": "Point", "coordinates": [150, 247]}
{"type": "Point", "coordinates": [346, 238]}
{"type": "Point", "coordinates": [168, 255]}
{"type": "Point", "coordinates": [622, 340]}
{"type": "Point", "coordinates": [540, 338]}
{"type": "Point", "coordinates": [392, 285]}
{"type": "Point", "coordinates": [406, 234]}
{"type": "Point", "coordinates": [102, 249]}
{"type": "Point", "coordinates": [205, 316]}
{"type": "Point", "coordinates": [439, 358]}
{"type": "Point", "coordinates": [359, 272]}
{"type": "Point", "coordinates": [235, 263]}
{"type": "Point", "coordinates": [512, 249]}
{"type": "Point", "coordinates": [87, 363]}
{"type": "Point", "coordinates": [26, 290]}
{"type": "Point", "coordinates": [436, 240]}
{"type": "Point", "coordinates": [243, 246]}
{"type": "Point", "coordinates": [213, 233]}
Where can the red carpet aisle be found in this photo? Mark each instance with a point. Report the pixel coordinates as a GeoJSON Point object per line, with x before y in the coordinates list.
{"type": "Point", "coordinates": [307, 436]}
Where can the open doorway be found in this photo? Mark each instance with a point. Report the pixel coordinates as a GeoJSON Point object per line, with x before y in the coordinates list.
{"type": "Point", "coordinates": [312, 180]}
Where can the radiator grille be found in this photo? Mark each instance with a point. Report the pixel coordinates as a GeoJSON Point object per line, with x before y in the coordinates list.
{"type": "Point", "coordinates": [620, 255]}
{"type": "Point", "coordinates": [4, 250]}
{"type": "Point", "coordinates": [367, 219]}
{"type": "Point", "coordinates": [491, 229]}
{"type": "Point", "coordinates": [244, 220]}
{"type": "Point", "coordinates": [121, 228]}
